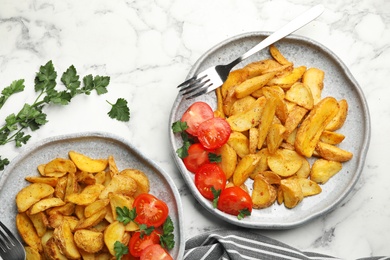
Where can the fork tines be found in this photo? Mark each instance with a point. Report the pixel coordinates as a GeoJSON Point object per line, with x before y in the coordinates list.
{"type": "Point", "coordinates": [195, 86]}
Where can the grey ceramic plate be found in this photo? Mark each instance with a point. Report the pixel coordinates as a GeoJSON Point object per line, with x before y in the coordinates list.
{"type": "Point", "coordinates": [95, 145]}
{"type": "Point", "coordinates": [338, 82]}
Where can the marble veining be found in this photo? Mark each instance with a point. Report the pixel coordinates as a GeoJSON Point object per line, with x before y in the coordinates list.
{"type": "Point", "coordinates": [147, 48]}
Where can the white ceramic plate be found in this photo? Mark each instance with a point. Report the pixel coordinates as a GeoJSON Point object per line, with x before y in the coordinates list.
{"type": "Point", "coordinates": [338, 82]}
{"type": "Point", "coordinates": [95, 145]}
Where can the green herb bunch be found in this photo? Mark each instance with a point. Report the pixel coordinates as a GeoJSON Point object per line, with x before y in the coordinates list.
{"type": "Point", "coordinates": [31, 116]}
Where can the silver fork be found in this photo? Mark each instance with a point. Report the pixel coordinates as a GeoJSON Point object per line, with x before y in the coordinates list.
{"type": "Point", "coordinates": [215, 76]}
{"type": "Point", "coordinates": [10, 246]}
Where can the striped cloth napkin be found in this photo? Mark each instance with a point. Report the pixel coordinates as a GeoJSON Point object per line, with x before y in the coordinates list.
{"type": "Point", "coordinates": [241, 244]}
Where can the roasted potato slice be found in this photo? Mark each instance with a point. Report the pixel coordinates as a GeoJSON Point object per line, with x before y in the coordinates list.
{"type": "Point", "coordinates": [86, 163]}
{"type": "Point", "coordinates": [140, 178]}
{"type": "Point", "coordinates": [114, 232]}
{"type": "Point", "coordinates": [31, 194]}
{"type": "Point", "coordinates": [333, 153]}
{"type": "Point", "coordinates": [120, 183]}
{"type": "Point", "coordinates": [286, 81]}
{"type": "Point", "coordinates": [322, 170]}
{"type": "Point", "coordinates": [88, 195]}
{"type": "Point", "coordinates": [292, 192]}
{"type": "Point", "coordinates": [228, 160]}
{"type": "Point", "coordinates": [45, 204]}
{"type": "Point", "coordinates": [92, 220]}
{"type": "Point", "coordinates": [244, 168]}
{"type": "Point", "coordinates": [88, 240]}
{"type": "Point", "coordinates": [304, 171]}
{"type": "Point", "coordinates": [59, 167]}
{"type": "Point", "coordinates": [267, 116]}
{"type": "Point", "coordinates": [300, 94]}
{"type": "Point", "coordinates": [32, 253]}
{"type": "Point", "coordinates": [249, 118]}
{"type": "Point", "coordinates": [309, 187]}
{"type": "Point", "coordinates": [271, 177]}
{"type": "Point", "coordinates": [331, 137]}
{"type": "Point", "coordinates": [263, 194]}
{"type": "Point", "coordinates": [52, 181]}
{"type": "Point", "coordinates": [313, 78]}
{"type": "Point", "coordinates": [251, 85]}
{"type": "Point", "coordinates": [27, 231]}
{"type": "Point", "coordinates": [242, 105]}
{"type": "Point", "coordinates": [314, 124]}
{"type": "Point", "coordinates": [63, 237]}
{"type": "Point", "coordinates": [52, 251]}
{"type": "Point", "coordinates": [112, 165]}
{"type": "Point", "coordinates": [234, 79]}
{"type": "Point", "coordinates": [240, 143]}
{"type": "Point", "coordinates": [338, 120]}
{"type": "Point", "coordinates": [95, 207]}
{"type": "Point", "coordinates": [278, 56]}
{"type": "Point", "coordinates": [275, 137]}
{"type": "Point", "coordinates": [285, 162]}
{"type": "Point", "coordinates": [294, 118]}
{"type": "Point", "coordinates": [40, 222]}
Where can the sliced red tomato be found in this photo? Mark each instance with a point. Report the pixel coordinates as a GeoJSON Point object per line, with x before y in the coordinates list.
{"type": "Point", "coordinates": [150, 210]}
{"type": "Point", "coordinates": [214, 132]}
{"type": "Point", "coordinates": [233, 200]}
{"type": "Point", "coordinates": [209, 175]}
{"type": "Point", "coordinates": [197, 156]}
{"type": "Point", "coordinates": [155, 252]}
{"type": "Point", "coordinates": [139, 242]}
{"type": "Point", "coordinates": [195, 115]}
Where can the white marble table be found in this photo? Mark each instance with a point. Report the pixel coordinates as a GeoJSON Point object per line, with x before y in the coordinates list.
{"type": "Point", "coordinates": [147, 47]}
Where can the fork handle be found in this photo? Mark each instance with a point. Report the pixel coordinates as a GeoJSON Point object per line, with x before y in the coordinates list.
{"type": "Point", "coordinates": [289, 28]}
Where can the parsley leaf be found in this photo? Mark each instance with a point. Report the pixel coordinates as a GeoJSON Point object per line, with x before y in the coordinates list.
{"type": "Point", "coordinates": [45, 79]}
{"type": "Point", "coordinates": [3, 162]}
{"type": "Point", "coordinates": [125, 215]}
{"type": "Point", "coordinates": [145, 230]}
{"type": "Point", "coordinates": [243, 213]}
{"type": "Point", "coordinates": [71, 80]}
{"type": "Point", "coordinates": [167, 239]}
{"type": "Point", "coordinates": [15, 87]}
{"type": "Point", "coordinates": [214, 158]}
{"type": "Point", "coordinates": [120, 250]}
{"type": "Point", "coordinates": [179, 126]}
{"type": "Point", "coordinates": [216, 194]}
{"type": "Point", "coordinates": [97, 83]}
{"type": "Point", "coordinates": [120, 110]}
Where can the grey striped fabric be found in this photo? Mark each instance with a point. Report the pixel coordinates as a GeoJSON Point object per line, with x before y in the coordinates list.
{"type": "Point", "coordinates": [241, 244]}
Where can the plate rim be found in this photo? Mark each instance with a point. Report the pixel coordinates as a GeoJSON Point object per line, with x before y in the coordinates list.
{"type": "Point", "coordinates": [362, 153]}
{"type": "Point", "coordinates": [104, 135]}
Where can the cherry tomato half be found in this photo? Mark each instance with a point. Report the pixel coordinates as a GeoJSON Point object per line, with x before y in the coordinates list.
{"type": "Point", "coordinates": [197, 156]}
{"type": "Point", "coordinates": [150, 210]}
{"type": "Point", "coordinates": [195, 115]}
{"type": "Point", "coordinates": [138, 243]}
{"type": "Point", "coordinates": [214, 132]}
{"type": "Point", "coordinates": [232, 200]}
{"type": "Point", "coordinates": [155, 252]}
{"type": "Point", "coordinates": [209, 175]}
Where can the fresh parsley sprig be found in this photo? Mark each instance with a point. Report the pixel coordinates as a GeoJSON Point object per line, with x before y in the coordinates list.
{"type": "Point", "coordinates": [31, 115]}
{"type": "Point", "coordinates": [125, 215]}
{"type": "Point", "coordinates": [15, 87]}
{"type": "Point", "coordinates": [120, 250]}
{"type": "Point", "coordinates": [180, 127]}
{"type": "Point", "coordinates": [167, 239]}
{"type": "Point", "coordinates": [120, 110]}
